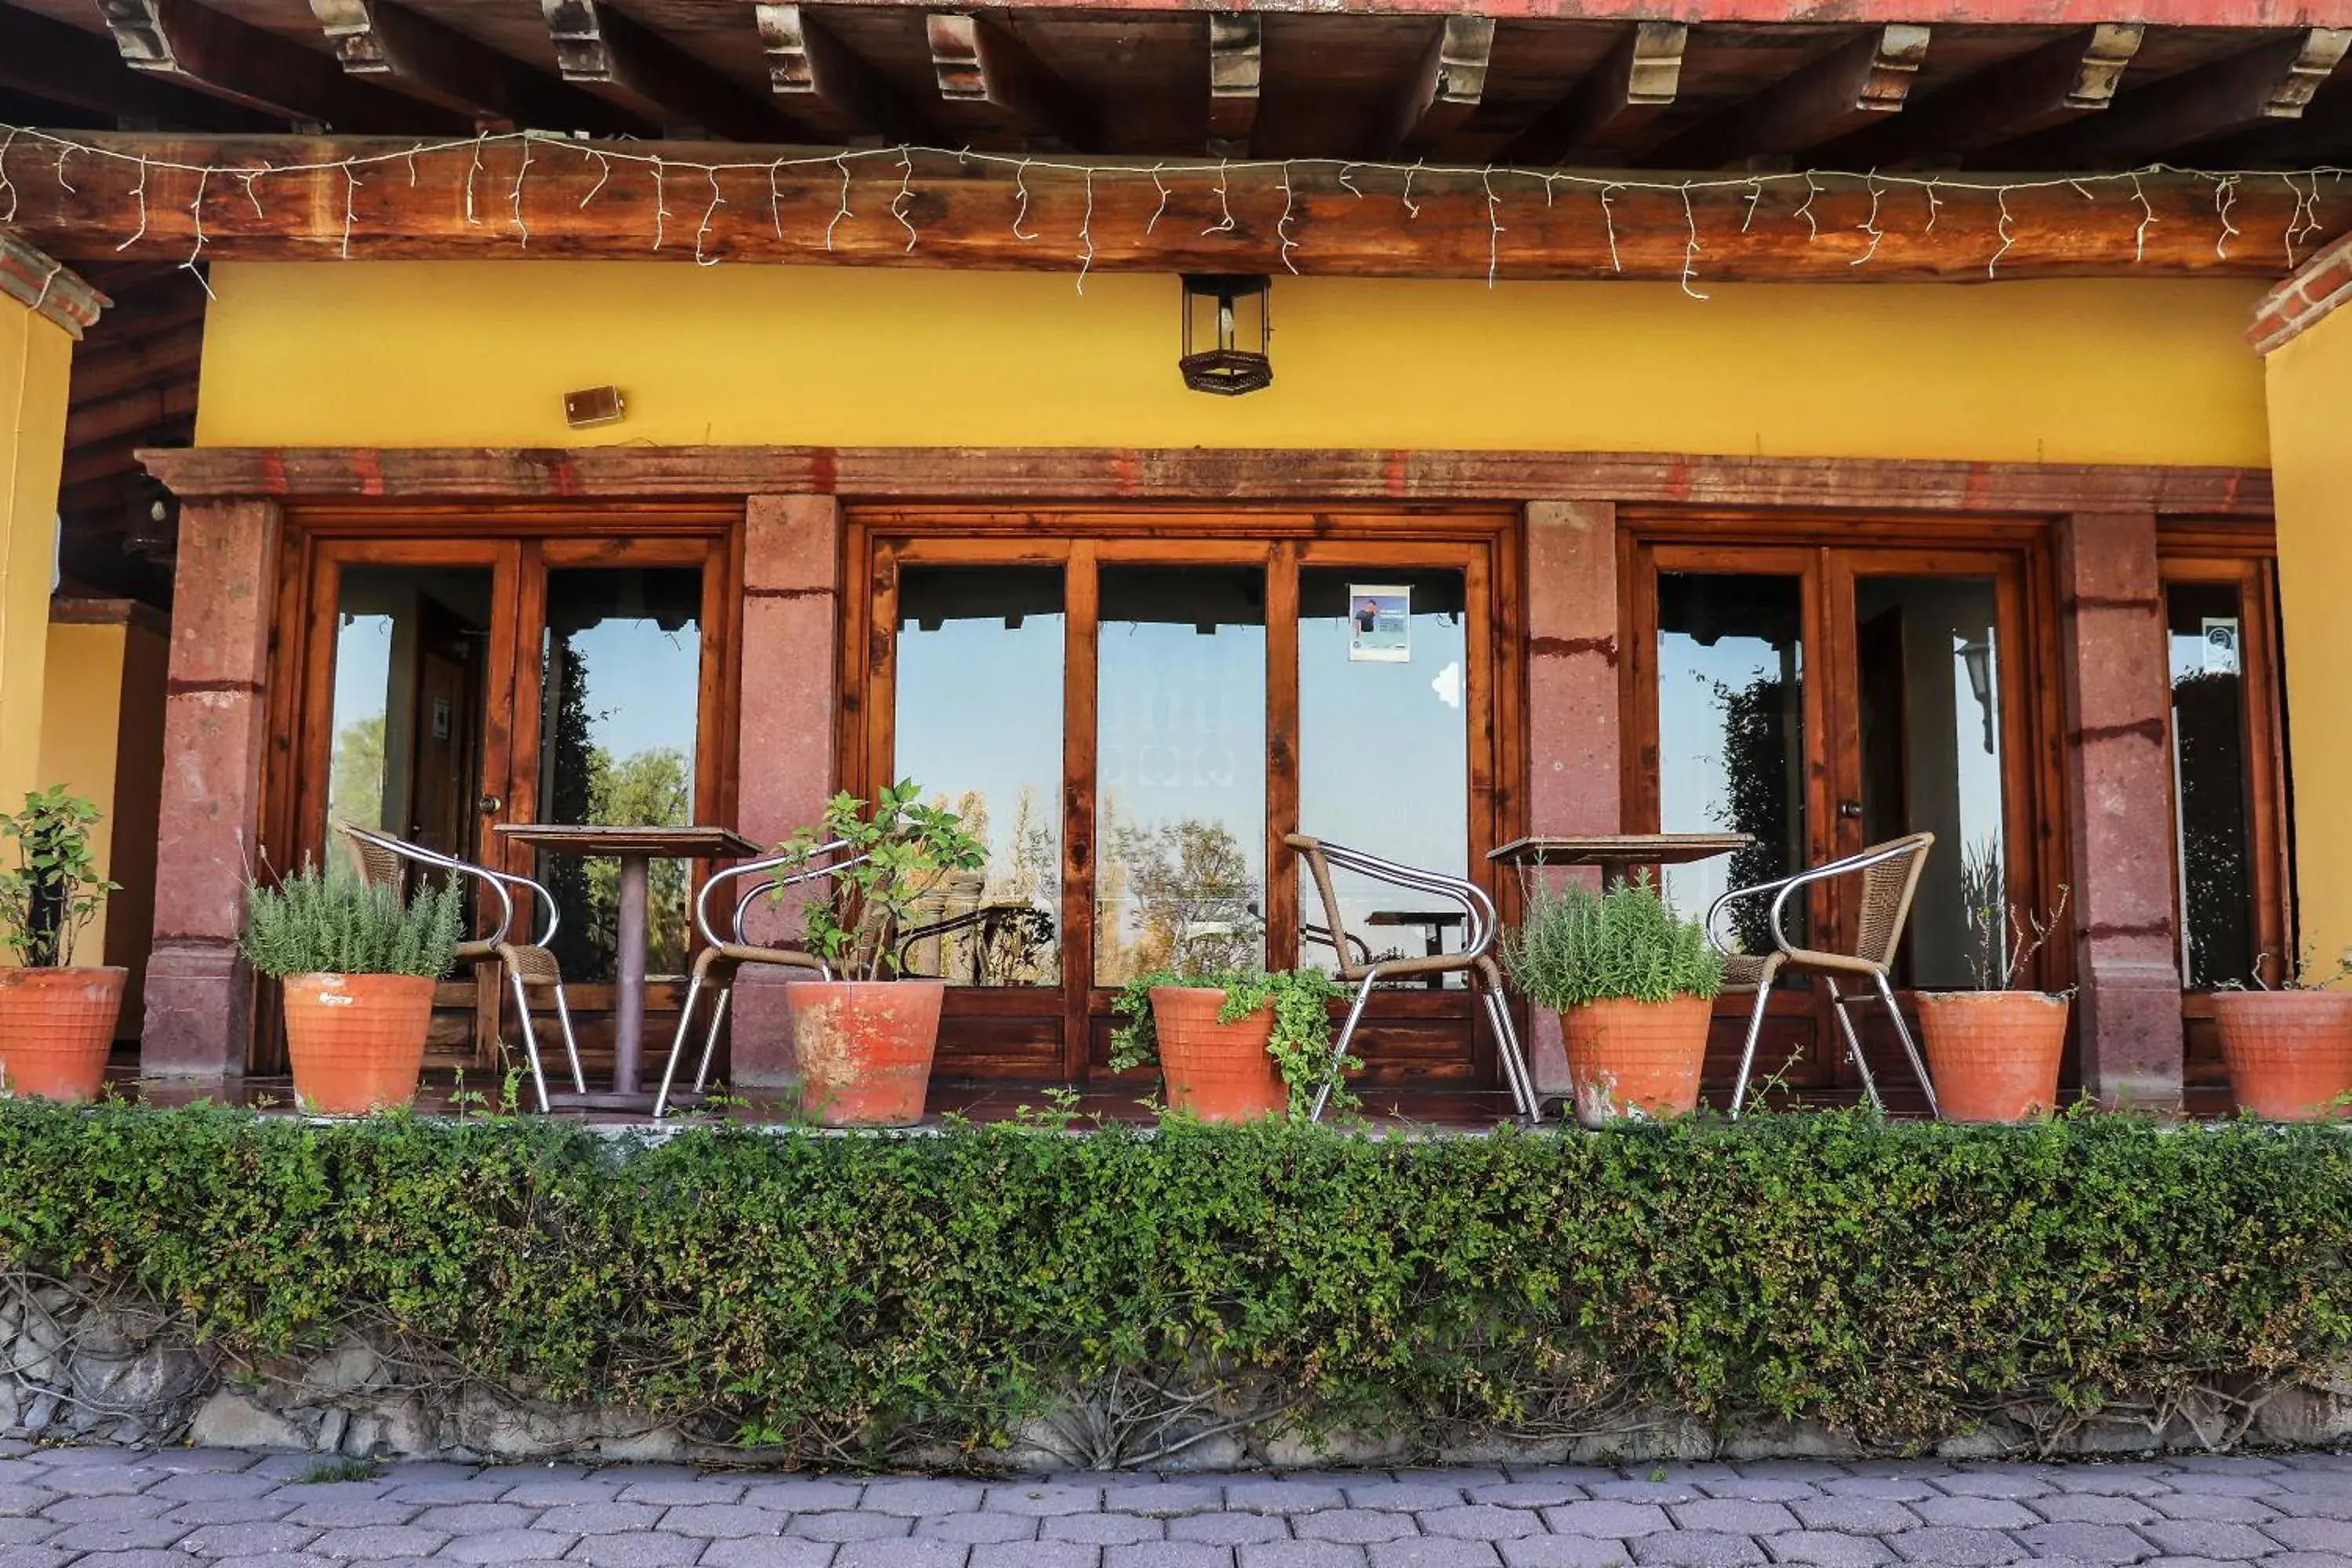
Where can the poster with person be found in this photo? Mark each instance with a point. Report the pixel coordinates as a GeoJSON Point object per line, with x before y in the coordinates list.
{"type": "Point", "coordinates": [1380, 624]}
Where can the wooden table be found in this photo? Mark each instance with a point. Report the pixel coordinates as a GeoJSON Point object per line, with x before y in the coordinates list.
{"type": "Point", "coordinates": [636, 848]}
{"type": "Point", "coordinates": [1618, 853]}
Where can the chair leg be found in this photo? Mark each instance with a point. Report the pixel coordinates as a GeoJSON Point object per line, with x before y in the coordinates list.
{"type": "Point", "coordinates": [530, 1039]}
{"type": "Point", "coordinates": [1339, 1050]}
{"type": "Point", "coordinates": [710, 1039]}
{"type": "Point", "coordinates": [1506, 1043]}
{"type": "Point", "coordinates": [1854, 1045]}
{"type": "Point", "coordinates": [1747, 1047]}
{"type": "Point", "coordinates": [677, 1044]}
{"type": "Point", "coordinates": [571, 1042]}
{"type": "Point", "coordinates": [1903, 1031]}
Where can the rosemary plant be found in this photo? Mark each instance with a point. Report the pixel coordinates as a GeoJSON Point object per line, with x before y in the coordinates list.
{"type": "Point", "coordinates": [312, 923]}
{"type": "Point", "coordinates": [1575, 946]}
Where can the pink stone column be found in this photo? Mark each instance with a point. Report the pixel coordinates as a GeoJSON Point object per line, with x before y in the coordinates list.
{"type": "Point", "coordinates": [199, 992]}
{"type": "Point", "coordinates": [1574, 762]}
{"type": "Point", "coordinates": [784, 739]}
{"type": "Point", "coordinates": [2118, 782]}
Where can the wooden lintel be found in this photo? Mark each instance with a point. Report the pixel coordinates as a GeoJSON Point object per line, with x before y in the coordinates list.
{"type": "Point", "coordinates": [606, 52]}
{"type": "Point", "coordinates": [1614, 101]}
{"type": "Point", "coordinates": [210, 52]}
{"type": "Point", "coordinates": [719, 201]}
{"type": "Point", "coordinates": [1843, 90]}
{"type": "Point", "coordinates": [407, 50]}
{"type": "Point", "coordinates": [808, 65]}
{"type": "Point", "coordinates": [1236, 68]}
{"type": "Point", "coordinates": [63, 64]}
{"type": "Point", "coordinates": [977, 60]}
{"type": "Point", "coordinates": [1444, 90]}
{"type": "Point", "coordinates": [2061, 80]}
{"type": "Point", "coordinates": [1043, 474]}
{"type": "Point", "coordinates": [2274, 80]}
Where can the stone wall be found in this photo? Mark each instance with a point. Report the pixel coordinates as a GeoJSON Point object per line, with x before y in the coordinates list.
{"type": "Point", "coordinates": [74, 1372]}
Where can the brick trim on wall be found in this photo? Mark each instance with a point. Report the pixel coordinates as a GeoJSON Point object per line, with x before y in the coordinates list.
{"type": "Point", "coordinates": [2303, 300]}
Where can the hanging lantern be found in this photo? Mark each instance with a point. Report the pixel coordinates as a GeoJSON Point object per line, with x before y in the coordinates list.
{"type": "Point", "coordinates": [1228, 325]}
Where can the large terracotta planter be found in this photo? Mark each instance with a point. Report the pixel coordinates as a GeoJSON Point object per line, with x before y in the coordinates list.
{"type": "Point", "coordinates": [1636, 1061]}
{"type": "Point", "coordinates": [56, 1027]}
{"type": "Point", "coordinates": [1218, 1072]}
{"type": "Point", "coordinates": [356, 1041]}
{"type": "Point", "coordinates": [864, 1048]}
{"type": "Point", "coordinates": [2290, 1052]}
{"type": "Point", "coordinates": [1993, 1055]}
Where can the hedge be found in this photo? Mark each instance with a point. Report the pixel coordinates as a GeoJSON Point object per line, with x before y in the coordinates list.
{"type": "Point", "coordinates": [850, 1295]}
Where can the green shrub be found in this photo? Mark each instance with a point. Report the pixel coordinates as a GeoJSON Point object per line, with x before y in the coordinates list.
{"type": "Point", "coordinates": [316, 924]}
{"type": "Point", "coordinates": [853, 1297]}
{"type": "Point", "coordinates": [1574, 945]}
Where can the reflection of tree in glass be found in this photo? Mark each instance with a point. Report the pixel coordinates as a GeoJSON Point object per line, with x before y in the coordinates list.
{"type": "Point", "coordinates": [1755, 796]}
{"type": "Point", "coordinates": [1195, 900]}
{"type": "Point", "coordinates": [355, 793]}
{"type": "Point", "coordinates": [2207, 735]}
{"type": "Point", "coordinates": [1984, 898]}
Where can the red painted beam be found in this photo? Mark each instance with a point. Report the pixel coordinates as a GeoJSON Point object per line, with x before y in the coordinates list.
{"type": "Point", "coordinates": [2036, 12]}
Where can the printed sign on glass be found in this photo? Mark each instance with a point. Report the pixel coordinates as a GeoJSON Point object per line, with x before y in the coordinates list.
{"type": "Point", "coordinates": [1380, 624]}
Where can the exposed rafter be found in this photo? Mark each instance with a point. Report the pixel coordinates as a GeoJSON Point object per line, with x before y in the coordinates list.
{"type": "Point", "coordinates": [609, 54]}
{"type": "Point", "coordinates": [978, 61]}
{"type": "Point", "coordinates": [403, 48]}
{"type": "Point", "coordinates": [2063, 81]}
{"type": "Point", "coordinates": [214, 53]}
{"type": "Point", "coordinates": [2274, 80]}
{"type": "Point", "coordinates": [827, 83]}
{"type": "Point", "coordinates": [64, 65]}
{"type": "Point", "coordinates": [1614, 102]}
{"type": "Point", "coordinates": [1237, 66]}
{"type": "Point", "coordinates": [1870, 76]}
{"type": "Point", "coordinates": [1444, 90]}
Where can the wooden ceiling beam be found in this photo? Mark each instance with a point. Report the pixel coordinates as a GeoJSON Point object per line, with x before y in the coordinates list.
{"type": "Point", "coordinates": [210, 52]}
{"type": "Point", "coordinates": [584, 201]}
{"type": "Point", "coordinates": [2270, 81]}
{"type": "Point", "coordinates": [2321, 135]}
{"type": "Point", "coordinates": [826, 82]}
{"type": "Point", "coordinates": [64, 65]}
{"type": "Point", "coordinates": [978, 61]}
{"type": "Point", "coordinates": [1236, 69]}
{"type": "Point", "coordinates": [2063, 81]}
{"type": "Point", "coordinates": [1614, 104]}
{"type": "Point", "coordinates": [606, 52]}
{"type": "Point", "coordinates": [1853, 84]}
{"type": "Point", "coordinates": [385, 41]}
{"type": "Point", "coordinates": [1774, 12]}
{"type": "Point", "coordinates": [1444, 91]}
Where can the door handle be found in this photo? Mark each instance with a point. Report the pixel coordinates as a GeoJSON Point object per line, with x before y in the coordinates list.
{"type": "Point", "coordinates": [490, 805]}
{"type": "Point", "coordinates": [1850, 810]}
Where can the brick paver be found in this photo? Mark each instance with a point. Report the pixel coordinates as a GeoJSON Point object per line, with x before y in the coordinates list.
{"type": "Point", "coordinates": [194, 1508]}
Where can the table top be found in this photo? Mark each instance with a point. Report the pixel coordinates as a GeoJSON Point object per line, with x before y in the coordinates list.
{"type": "Point", "coordinates": [1619, 849]}
{"type": "Point", "coordinates": [696, 843]}
{"type": "Point", "coordinates": [1440, 918]}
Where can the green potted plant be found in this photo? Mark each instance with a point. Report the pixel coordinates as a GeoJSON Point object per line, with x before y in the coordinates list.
{"type": "Point", "coordinates": [1232, 1044]}
{"type": "Point", "coordinates": [57, 1019]}
{"type": "Point", "coordinates": [864, 1039]}
{"type": "Point", "coordinates": [1634, 985]}
{"type": "Point", "coordinates": [1993, 1052]}
{"type": "Point", "coordinates": [2288, 1046]}
{"type": "Point", "coordinates": [356, 966]}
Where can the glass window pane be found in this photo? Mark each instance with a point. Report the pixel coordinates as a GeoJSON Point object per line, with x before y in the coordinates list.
{"type": "Point", "coordinates": [1385, 749]}
{"type": "Point", "coordinates": [2202, 626]}
{"type": "Point", "coordinates": [1180, 803]}
{"type": "Point", "coordinates": [979, 727]}
{"type": "Point", "coordinates": [405, 755]}
{"type": "Point", "coordinates": [1731, 735]}
{"type": "Point", "coordinates": [1929, 674]}
{"type": "Point", "coordinates": [620, 683]}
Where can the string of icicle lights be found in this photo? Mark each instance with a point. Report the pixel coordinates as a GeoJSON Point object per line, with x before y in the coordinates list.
{"type": "Point", "coordinates": [697, 184]}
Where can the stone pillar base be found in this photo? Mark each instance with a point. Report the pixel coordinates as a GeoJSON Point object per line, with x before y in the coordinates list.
{"type": "Point", "coordinates": [2132, 1009]}
{"type": "Point", "coordinates": [199, 1011]}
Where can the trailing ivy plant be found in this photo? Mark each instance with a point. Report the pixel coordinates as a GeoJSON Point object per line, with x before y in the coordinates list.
{"type": "Point", "coordinates": [1300, 1043]}
{"type": "Point", "coordinates": [895, 853]}
{"type": "Point", "coordinates": [312, 923]}
{"type": "Point", "coordinates": [1574, 945]}
{"type": "Point", "coordinates": [54, 889]}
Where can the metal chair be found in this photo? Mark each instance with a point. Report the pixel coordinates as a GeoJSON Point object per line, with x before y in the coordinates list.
{"type": "Point", "coordinates": [528, 965]}
{"type": "Point", "coordinates": [1475, 960]}
{"type": "Point", "coordinates": [1890, 875]}
{"type": "Point", "coordinates": [722, 957]}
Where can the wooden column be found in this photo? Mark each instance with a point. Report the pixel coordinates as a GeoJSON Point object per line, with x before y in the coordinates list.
{"type": "Point", "coordinates": [2119, 810]}
{"type": "Point", "coordinates": [792, 694]}
{"type": "Point", "coordinates": [1573, 761]}
{"type": "Point", "coordinates": [199, 990]}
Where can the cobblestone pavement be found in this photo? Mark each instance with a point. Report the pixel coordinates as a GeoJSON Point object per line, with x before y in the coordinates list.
{"type": "Point", "coordinates": [209, 1508]}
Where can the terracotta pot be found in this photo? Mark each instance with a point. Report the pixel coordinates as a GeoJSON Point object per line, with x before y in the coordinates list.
{"type": "Point", "coordinates": [1635, 1060]}
{"type": "Point", "coordinates": [356, 1041]}
{"type": "Point", "coordinates": [56, 1027]}
{"type": "Point", "coordinates": [864, 1048]}
{"type": "Point", "coordinates": [2290, 1052]}
{"type": "Point", "coordinates": [1993, 1054]}
{"type": "Point", "coordinates": [1218, 1072]}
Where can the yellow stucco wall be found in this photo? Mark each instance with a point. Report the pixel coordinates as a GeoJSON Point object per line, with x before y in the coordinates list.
{"type": "Point", "coordinates": [2310, 385]}
{"type": "Point", "coordinates": [441, 354]}
{"type": "Point", "coordinates": [34, 357]}
{"type": "Point", "coordinates": [82, 684]}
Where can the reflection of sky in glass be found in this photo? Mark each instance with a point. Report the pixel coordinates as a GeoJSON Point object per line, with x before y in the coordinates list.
{"type": "Point", "coordinates": [1979, 769]}
{"type": "Point", "coordinates": [1694, 773]}
{"type": "Point", "coordinates": [980, 708]}
{"type": "Point", "coordinates": [642, 686]}
{"type": "Point", "coordinates": [1183, 727]}
{"type": "Point", "coordinates": [362, 678]}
